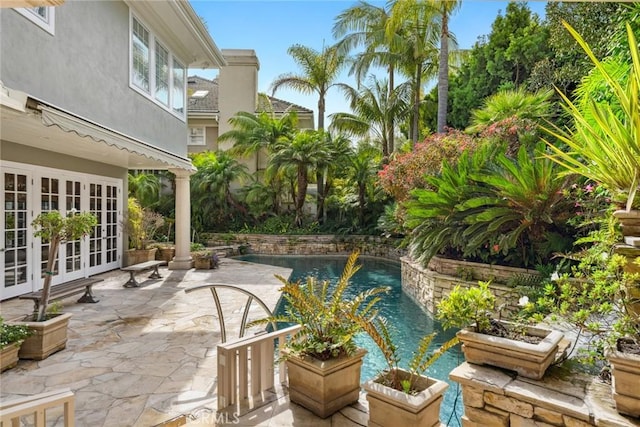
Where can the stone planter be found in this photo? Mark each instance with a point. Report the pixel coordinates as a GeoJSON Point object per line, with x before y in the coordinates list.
{"type": "Point", "coordinates": [48, 337]}
{"type": "Point", "coordinates": [625, 373]}
{"type": "Point", "coordinates": [166, 254]}
{"type": "Point", "coordinates": [136, 256]}
{"type": "Point", "coordinates": [202, 263]}
{"type": "Point", "coordinates": [630, 224]}
{"type": "Point", "coordinates": [389, 407]}
{"type": "Point", "coordinates": [528, 360]}
{"type": "Point", "coordinates": [324, 387]}
{"type": "Point", "coordinates": [474, 271]}
{"type": "Point", "coordinates": [9, 356]}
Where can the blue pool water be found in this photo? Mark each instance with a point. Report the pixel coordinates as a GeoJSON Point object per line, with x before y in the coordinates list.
{"type": "Point", "coordinates": [409, 321]}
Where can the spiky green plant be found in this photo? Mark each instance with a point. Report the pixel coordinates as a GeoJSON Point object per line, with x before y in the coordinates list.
{"type": "Point", "coordinates": [604, 145]}
{"type": "Point", "coordinates": [329, 322]}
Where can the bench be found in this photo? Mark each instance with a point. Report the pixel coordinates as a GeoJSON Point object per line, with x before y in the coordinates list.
{"type": "Point", "coordinates": [147, 265]}
{"type": "Point", "coordinates": [65, 290]}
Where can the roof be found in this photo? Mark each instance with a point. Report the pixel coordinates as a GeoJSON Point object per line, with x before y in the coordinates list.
{"type": "Point", "coordinates": [209, 102]}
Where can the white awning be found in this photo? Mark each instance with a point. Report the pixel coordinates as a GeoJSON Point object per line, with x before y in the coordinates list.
{"type": "Point", "coordinates": [86, 129]}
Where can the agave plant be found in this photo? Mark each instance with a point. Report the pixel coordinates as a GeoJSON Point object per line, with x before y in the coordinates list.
{"type": "Point", "coordinates": [604, 145]}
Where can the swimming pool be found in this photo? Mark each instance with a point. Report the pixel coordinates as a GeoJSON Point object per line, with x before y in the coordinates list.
{"type": "Point", "coordinates": [410, 322]}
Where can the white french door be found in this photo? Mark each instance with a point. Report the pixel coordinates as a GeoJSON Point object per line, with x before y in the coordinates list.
{"type": "Point", "coordinates": [28, 191]}
{"type": "Point", "coordinates": [15, 250]}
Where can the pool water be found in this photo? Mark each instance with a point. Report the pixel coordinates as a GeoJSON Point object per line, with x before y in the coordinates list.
{"type": "Point", "coordinates": [408, 321]}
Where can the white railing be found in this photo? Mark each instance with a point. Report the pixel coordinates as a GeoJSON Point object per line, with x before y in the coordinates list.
{"type": "Point", "coordinates": [246, 368]}
{"type": "Point", "coordinates": [36, 406]}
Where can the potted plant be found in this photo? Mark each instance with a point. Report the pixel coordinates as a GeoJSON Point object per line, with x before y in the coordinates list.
{"type": "Point", "coordinates": [322, 359]}
{"type": "Point", "coordinates": [489, 341]}
{"type": "Point", "coordinates": [605, 145]}
{"type": "Point", "coordinates": [404, 397]}
{"type": "Point", "coordinates": [204, 259]}
{"type": "Point", "coordinates": [50, 329]}
{"type": "Point", "coordinates": [141, 225]}
{"type": "Point", "coordinates": [11, 338]}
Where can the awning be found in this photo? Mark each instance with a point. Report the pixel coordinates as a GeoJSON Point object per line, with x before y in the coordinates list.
{"type": "Point", "coordinates": [73, 124]}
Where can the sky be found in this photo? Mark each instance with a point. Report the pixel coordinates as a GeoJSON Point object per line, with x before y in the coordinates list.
{"type": "Point", "coordinates": [270, 27]}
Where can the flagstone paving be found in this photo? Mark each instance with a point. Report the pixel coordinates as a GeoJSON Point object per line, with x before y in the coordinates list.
{"type": "Point", "coordinates": [142, 356]}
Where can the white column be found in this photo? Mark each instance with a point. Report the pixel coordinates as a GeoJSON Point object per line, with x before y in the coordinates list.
{"type": "Point", "coordinates": [182, 259]}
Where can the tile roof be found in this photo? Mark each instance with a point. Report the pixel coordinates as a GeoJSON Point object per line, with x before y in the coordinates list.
{"type": "Point", "coordinates": [209, 103]}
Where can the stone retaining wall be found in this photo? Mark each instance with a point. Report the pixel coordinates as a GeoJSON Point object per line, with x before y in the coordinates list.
{"type": "Point", "coordinates": [312, 245]}
{"type": "Point", "coordinates": [493, 397]}
{"type": "Point", "coordinates": [427, 287]}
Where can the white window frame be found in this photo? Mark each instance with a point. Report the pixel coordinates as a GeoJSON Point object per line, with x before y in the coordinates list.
{"type": "Point", "coordinates": [48, 24]}
{"type": "Point", "coordinates": [204, 135]}
{"type": "Point", "coordinates": [151, 93]}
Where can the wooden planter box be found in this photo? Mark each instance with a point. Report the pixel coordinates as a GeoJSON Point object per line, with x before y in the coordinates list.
{"type": "Point", "coordinates": [625, 372]}
{"type": "Point", "coordinates": [389, 407]}
{"type": "Point", "coordinates": [528, 360]}
{"type": "Point", "coordinates": [9, 356]}
{"type": "Point", "coordinates": [48, 337]}
{"type": "Point", "coordinates": [324, 387]}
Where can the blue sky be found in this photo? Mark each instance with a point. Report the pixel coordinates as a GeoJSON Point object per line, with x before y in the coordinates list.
{"type": "Point", "coordinates": [270, 27]}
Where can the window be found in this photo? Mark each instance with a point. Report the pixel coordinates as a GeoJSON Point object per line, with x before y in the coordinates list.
{"type": "Point", "coordinates": [155, 72]}
{"type": "Point", "coordinates": [197, 136]}
{"type": "Point", "coordinates": [42, 16]}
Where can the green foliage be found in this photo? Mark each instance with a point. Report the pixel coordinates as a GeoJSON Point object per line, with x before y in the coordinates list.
{"type": "Point", "coordinates": [604, 145]}
{"type": "Point", "coordinates": [472, 307]}
{"type": "Point", "coordinates": [10, 334]}
{"type": "Point", "coordinates": [491, 206]}
{"type": "Point", "coordinates": [599, 296]}
{"type": "Point", "coordinates": [145, 187]}
{"type": "Point", "coordinates": [329, 321]}
{"type": "Point", "coordinates": [502, 60]}
{"type": "Point", "coordinates": [55, 229]}
{"type": "Point", "coordinates": [141, 224]}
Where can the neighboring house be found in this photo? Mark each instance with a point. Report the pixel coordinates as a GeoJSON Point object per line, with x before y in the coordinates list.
{"type": "Point", "coordinates": [90, 90]}
{"type": "Point", "coordinates": [212, 103]}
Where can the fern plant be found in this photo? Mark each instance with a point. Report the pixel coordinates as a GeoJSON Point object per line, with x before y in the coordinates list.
{"type": "Point", "coordinates": [422, 359]}
{"type": "Point", "coordinates": [329, 322]}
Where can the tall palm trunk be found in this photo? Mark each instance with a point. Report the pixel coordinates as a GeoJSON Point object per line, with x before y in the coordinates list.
{"type": "Point", "coordinates": [302, 192]}
{"type": "Point", "coordinates": [416, 105]}
{"type": "Point", "coordinates": [443, 74]}
{"type": "Point", "coordinates": [391, 134]}
{"type": "Point", "coordinates": [320, 211]}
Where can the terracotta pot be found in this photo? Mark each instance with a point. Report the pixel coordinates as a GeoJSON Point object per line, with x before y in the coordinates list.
{"type": "Point", "coordinates": [528, 360]}
{"type": "Point", "coordinates": [389, 407]}
{"type": "Point", "coordinates": [48, 337]}
{"type": "Point", "coordinates": [9, 356]}
{"type": "Point", "coordinates": [625, 373]}
{"type": "Point", "coordinates": [324, 387]}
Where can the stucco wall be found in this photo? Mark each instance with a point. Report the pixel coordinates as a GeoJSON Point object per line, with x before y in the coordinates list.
{"type": "Point", "coordinates": [84, 69]}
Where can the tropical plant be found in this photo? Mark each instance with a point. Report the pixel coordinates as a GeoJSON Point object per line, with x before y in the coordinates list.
{"type": "Point", "coordinates": [604, 145]}
{"type": "Point", "coordinates": [329, 321]}
{"type": "Point", "coordinates": [380, 332]}
{"type": "Point", "coordinates": [374, 108]}
{"type": "Point", "coordinates": [303, 152]}
{"type": "Point", "coordinates": [489, 205]}
{"type": "Point", "coordinates": [141, 224]}
{"type": "Point", "coordinates": [53, 228]}
{"type": "Point", "coordinates": [468, 307]}
{"type": "Point", "coordinates": [145, 187]}
{"type": "Point", "coordinates": [364, 163]}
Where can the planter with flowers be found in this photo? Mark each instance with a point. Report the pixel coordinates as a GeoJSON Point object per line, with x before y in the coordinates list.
{"type": "Point", "coordinates": [141, 225]}
{"type": "Point", "coordinates": [486, 340]}
{"type": "Point", "coordinates": [11, 338]}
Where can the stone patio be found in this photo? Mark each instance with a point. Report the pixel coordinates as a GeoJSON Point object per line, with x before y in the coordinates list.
{"type": "Point", "coordinates": [145, 356]}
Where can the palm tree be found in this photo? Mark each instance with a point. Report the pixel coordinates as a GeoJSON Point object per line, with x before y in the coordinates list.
{"type": "Point", "coordinates": [415, 21]}
{"type": "Point", "coordinates": [375, 109]}
{"type": "Point", "coordinates": [303, 153]}
{"type": "Point", "coordinates": [335, 164]}
{"type": "Point", "coordinates": [366, 25]}
{"type": "Point", "coordinates": [145, 187]}
{"type": "Point", "coordinates": [362, 169]}
{"type": "Point", "coordinates": [445, 9]}
{"type": "Point", "coordinates": [320, 71]}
